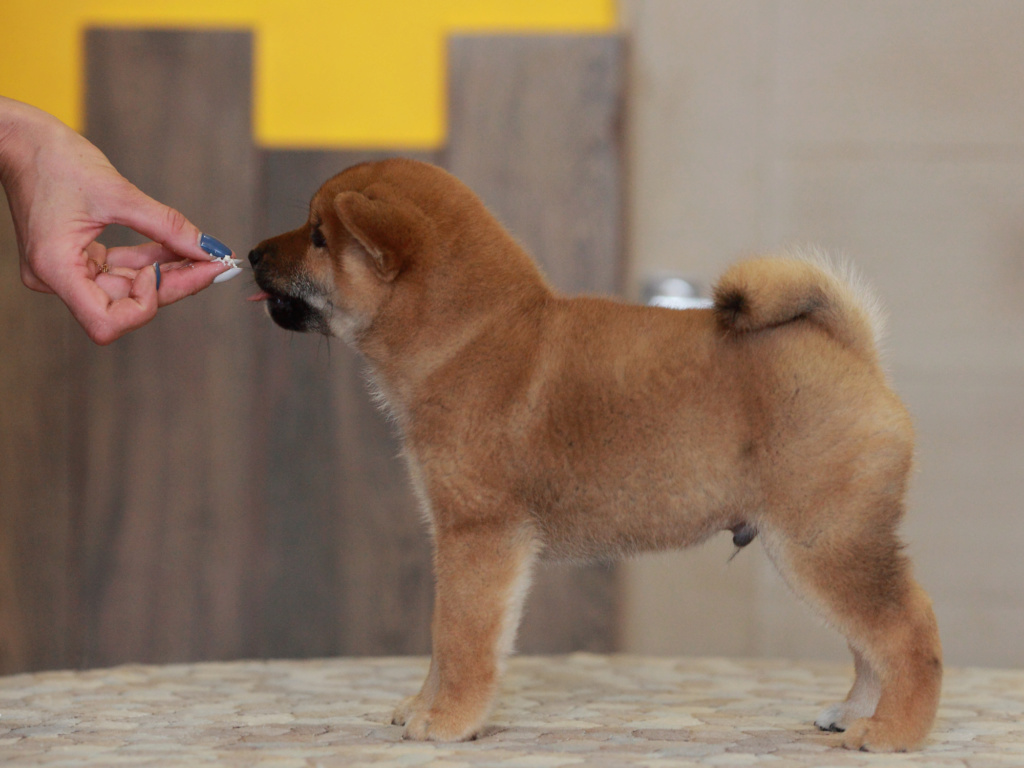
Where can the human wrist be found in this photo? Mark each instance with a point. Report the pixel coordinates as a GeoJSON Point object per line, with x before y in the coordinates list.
{"type": "Point", "coordinates": [22, 127]}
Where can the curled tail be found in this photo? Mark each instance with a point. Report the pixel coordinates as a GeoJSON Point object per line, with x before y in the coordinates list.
{"type": "Point", "coordinates": [768, 292]}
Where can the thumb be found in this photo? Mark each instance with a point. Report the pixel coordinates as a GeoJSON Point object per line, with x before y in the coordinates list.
{"type": "Point", "coordinates": [159, 223]}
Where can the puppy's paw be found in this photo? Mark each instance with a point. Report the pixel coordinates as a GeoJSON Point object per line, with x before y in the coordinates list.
{"type": "Point", "coordinates": [432, 725]}
{"type": "Point", "coordinates": [874, 735]}
{"type": "Point", "coordinates": [840, 717]}
{"type": "Point", "coordinates": [405, 711]}
{"type": "Point", "coordinates": [832, 719]}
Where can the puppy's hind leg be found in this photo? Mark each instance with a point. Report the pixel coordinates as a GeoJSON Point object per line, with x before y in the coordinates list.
{"type": "Point", "coordinates": [482, 573]}
{"type": "Point", "coordinates": [861, 582]}
{"type": "Point", "coordinates": [904, 652]}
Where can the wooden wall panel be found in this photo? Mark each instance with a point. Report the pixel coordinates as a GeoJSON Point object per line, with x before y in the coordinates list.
{"type": "Point", "coordinates": [34, 527]}
{"type": "Point", "coordinates": [162, 501]}
{"type": "Point", "coordinates": [350, 559]}
{"type": "Point", "coordinates": [212, 486]}
{"type": "Point", "coordinates": [535, 129]}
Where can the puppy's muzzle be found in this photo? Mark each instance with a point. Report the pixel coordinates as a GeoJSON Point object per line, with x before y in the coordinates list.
{"type": "Point", "coordinates": [284, 307]}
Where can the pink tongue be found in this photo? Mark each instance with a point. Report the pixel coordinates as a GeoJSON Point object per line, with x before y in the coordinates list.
{"type": "Point", "coordinates": [261, 296]}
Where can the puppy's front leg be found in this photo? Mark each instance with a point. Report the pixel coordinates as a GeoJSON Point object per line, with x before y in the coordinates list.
{"type": "Point", "coordinates": [482, 570]}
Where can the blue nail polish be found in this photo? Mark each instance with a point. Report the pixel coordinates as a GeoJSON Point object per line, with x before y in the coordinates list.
{"type": "Point", "coordinates": [214, 247]}
{"type": "Point", "coordinates": [156, 266]}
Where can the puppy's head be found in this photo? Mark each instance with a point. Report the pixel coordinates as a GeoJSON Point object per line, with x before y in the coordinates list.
{"type": "Point", "coordinates": [368, 228]}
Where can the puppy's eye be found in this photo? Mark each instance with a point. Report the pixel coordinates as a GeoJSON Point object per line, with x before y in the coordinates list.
{"type": "Point", "coordinates": [316, 237]}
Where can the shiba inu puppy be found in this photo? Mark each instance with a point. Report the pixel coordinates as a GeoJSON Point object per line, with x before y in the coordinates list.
{"type": "Point", "coordinates": [541, 425]}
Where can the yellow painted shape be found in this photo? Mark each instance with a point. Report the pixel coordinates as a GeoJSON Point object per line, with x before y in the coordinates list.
{"type": "Point", "coordinates": [328, 73]}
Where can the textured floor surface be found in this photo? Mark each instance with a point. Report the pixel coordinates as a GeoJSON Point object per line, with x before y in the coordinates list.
{"type": "Point", "coordinates": [576, 710]}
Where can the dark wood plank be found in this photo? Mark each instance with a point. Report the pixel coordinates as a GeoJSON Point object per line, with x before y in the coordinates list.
{"type": "Point", "coordinates": [34, 456]}
{"type": "Point", "coordinates": [163, 503]}
{"type": "Point", "coordinates": [535, 129]}
{"type": "Point", "coordinates": [350, 569]}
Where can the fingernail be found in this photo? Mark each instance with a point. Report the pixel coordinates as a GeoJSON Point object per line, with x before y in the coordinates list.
{"type": "Point", "coordinates": [156, 266]}
{"type": "Point", "coordinates": [214, 247]}
{"type": "Point", "coordinates": [223, 277]}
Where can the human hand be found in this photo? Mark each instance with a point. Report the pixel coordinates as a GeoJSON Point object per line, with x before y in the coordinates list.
{"type": "Point", "coordinates": [63, 192]}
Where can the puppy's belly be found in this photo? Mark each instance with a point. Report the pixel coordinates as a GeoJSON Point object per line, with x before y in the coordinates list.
{"type": "Point", "coordinates": [609, 528]}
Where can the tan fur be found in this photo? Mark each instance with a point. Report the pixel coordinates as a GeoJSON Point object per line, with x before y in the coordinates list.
{"type": "Point", "coordinates": [584, 427]}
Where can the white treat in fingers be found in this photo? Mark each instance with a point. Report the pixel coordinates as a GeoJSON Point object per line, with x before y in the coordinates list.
{"type": "Point", "coordinates": [223, 277]}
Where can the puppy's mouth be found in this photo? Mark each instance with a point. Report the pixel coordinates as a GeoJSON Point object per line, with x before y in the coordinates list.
{"type": "Point", "coordinates": [290, 312]}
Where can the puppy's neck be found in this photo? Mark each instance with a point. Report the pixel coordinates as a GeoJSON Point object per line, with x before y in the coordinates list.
{"type": "Point", "coordinates": [409, 350]}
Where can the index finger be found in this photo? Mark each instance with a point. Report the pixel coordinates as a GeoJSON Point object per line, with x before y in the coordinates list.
{"type": "Point", "coordinates": [159, 223]}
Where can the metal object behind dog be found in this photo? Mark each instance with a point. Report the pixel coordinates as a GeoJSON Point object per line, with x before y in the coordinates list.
{"type": "Point", "coordinates": [673, 292]}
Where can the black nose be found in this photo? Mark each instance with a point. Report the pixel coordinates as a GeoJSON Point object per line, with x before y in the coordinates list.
{"type": "Point", "coordinates": [255, 255]}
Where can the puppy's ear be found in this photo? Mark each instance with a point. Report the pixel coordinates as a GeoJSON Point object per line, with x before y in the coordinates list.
{"type": "Point", "coordinates": [388, 231]}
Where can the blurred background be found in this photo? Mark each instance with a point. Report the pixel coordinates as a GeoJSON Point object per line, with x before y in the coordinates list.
{"type": "Point", "coordinates": [213, 487]}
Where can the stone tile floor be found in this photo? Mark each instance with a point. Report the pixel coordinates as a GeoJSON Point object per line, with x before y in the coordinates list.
{"type": "Point", "coordinates": [575, 710]}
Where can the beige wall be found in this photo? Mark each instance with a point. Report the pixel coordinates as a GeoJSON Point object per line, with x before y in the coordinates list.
{"type": "Point", "coordinates": [891, 132]}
